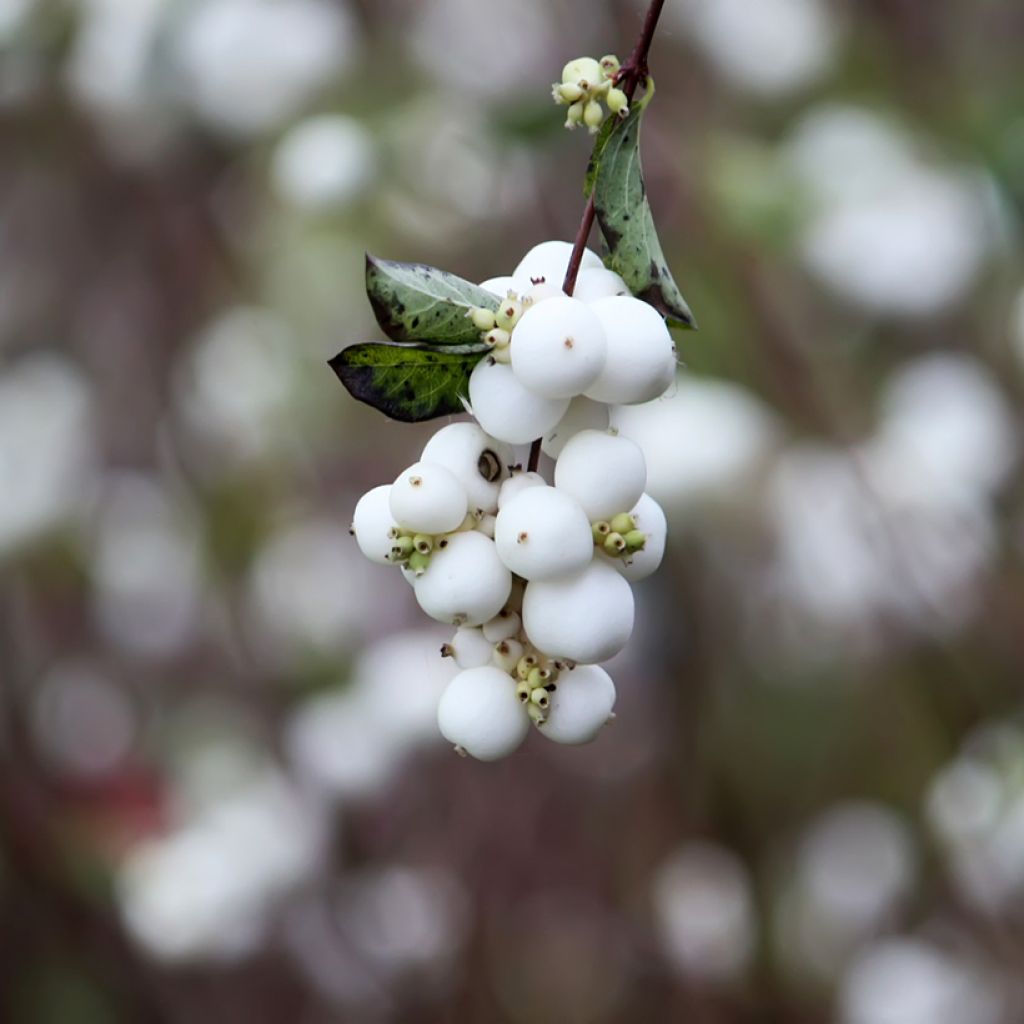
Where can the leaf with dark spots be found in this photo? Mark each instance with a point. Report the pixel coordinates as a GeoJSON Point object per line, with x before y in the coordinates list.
{"type": "Point", "coordinates": [624, 215]}
{"type": "Point", "coordinates": [410, 383]}
{"type": "Point", "coordinates": [416, 303]}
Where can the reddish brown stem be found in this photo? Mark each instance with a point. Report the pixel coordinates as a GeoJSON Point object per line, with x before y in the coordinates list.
{"type": "Point", "coordinates": [629, 76]}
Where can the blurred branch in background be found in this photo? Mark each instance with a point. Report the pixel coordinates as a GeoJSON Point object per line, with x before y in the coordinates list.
{"type": "Point", "coordinates": [221, 791]}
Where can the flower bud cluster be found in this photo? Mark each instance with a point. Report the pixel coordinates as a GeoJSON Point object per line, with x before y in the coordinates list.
{"type": "Point", "coordinates": [585, 83]}
{"type": "Point", "coordinates": [535, 576]}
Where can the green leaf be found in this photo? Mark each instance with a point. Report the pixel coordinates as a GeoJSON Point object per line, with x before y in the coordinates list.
{"type": "Point", "coordinates": [416, 303]}
{"type": "Point", "coordinates": [620, 199]}
{"type": "Point", "coordinates": [410, 383]}
{"type": "Point", "coordinates": [590, 178]}
{"type": "Point", "coordinates": [610, 124]}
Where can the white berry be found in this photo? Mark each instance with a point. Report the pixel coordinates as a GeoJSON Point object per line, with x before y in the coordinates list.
{"type": "Point", "coordinates": [549, 261]}
{"type": "Point", "coordinates": [466, 582]}
{"type": "Point", "coordinates": [371, 522]}
{"type": "Point", "coordinates": [516, 484]}
{"type": "Point", "coordinates": [506, 409]}
{"type": "Point", "coordinates": [587, 617]}
{"type": "Point", "coordinates": [428, 499]}
{"type": "Point", "coordinates": [534, 293]}
{"type": "Point", "coordinates": [505, 625]}
{"type": "Point", "coordinates": [604, 472]}
{"type": "Point", "coordinates": [582, 414]}
{"type": "Point", "coordinates": [598, 283]}
{"type": "Point", "coordinates": [580, 706]}
{"type": "Point", "coordinates": [479, 462]}
{"type": "Point", "coordinates": [470, 648]}
{"type": "Point", "coordinates": [499, 286]}
{"type": "Point", "coordinates": [641, 356]}
{"type": "Point", "coordinates": [543, 533]}
{"type": "Point", "coordinates": [480, 713]}
{"type": "Point", "coordinates": [558, 348]}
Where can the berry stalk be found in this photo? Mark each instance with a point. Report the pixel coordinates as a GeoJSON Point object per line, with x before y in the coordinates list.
{"type": "Point", "coordinates": [628, 77]}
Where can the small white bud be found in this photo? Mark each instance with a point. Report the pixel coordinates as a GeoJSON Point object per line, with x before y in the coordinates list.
{"type": "Point", "coordinates": [470, 648]}
{"type": "Point", "coordinates": [506, 655]}
{"type": "Point", "coordinates": [504, 625]}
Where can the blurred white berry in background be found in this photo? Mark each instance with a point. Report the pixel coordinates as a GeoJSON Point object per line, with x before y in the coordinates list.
{"type": "Point", "coordinates": [704, 910]}
{"type": "Point", "coordinates": [736, 36]}
{"type": "Point", "coordinates": [889, 230]}
{"type": "Point", "coordinates": [737, 434]}
{"type": "Point", "coordinates": [909, 981]}
{"type": "Point", "coordinates": [47, 447]}
{"type": "Point", "coordinates": [246, 66]}
{"type": "Point", "coordinates": [323, 163]}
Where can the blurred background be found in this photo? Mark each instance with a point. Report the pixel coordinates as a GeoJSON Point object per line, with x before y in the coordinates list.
{"type": "Point", "coordinates": [222, 792]}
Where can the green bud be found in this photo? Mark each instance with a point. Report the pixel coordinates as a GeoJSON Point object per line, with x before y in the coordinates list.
{"type": "Point", "coordinates": [483, 319]}
{"type": "Point", "coordinates": [497, 337]}
{"type": "Point", "coordinates": [423, 543]}
{"type": "Point", "coordinates": [507, 654]}
{"type": "Point", "coordinates": [536, 713]}
{"type": "Point", "coordinates": [614, 544]}
{"type": "Point", "coordinates": [610, 65]}
{"type": "Point", "coordinates": [508, 314]}
{"type": "Point", "coordinates": [502, 355]}
{"type": "Point", "coordinates": [569, 92]}
{"type": "Point", "coordinates": [593, 115]}
{"type": "Point", "coordinates": [523, 691]}
{"type": "Point", "coordinates": [583, 71]}
{"type": "Point", "coordinates": [600, 531]}
{"type": "Point", "coordinates": [526, 665]}
{"type": "Point", "coordinates": [418, 562]}
{"type": "Point", "coordinates": [617, 102]}
{"type": "Point", "coordinates": [540, 697]}
{"type": "Point", "coordinates": [534, 678]}
{"type": "Point", "coordinates": [636, 540]}
{"type": "Point", "coordinates": [622, 523]}
{"type": "Point", "coordinates": [401, 549]}
{"type": "Point", "coordinates": [574, 115]}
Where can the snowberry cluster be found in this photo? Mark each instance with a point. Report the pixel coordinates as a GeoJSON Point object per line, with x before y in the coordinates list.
{"type": "Point", "coordinates": [585, 83]}
{"type": "Point", "coordinates": [536, 577]}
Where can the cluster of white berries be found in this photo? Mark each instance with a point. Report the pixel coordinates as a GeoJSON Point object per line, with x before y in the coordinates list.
{"type": "Point", "coordinates": [535, 577]}
{"type": "Point", "coordinates": [585, 83]}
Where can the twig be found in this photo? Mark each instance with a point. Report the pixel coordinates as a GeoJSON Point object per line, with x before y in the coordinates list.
{"type": "Point", "coordinates": [628, 77]}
